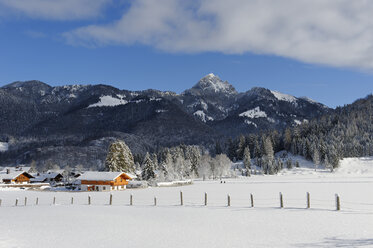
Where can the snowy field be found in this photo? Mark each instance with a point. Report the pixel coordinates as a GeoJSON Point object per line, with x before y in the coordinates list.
{"type": "Point", "coordinates": [194, 225]}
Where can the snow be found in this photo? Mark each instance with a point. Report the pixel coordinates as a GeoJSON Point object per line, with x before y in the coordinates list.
{"type": "Point", "coordinates": [308, 99]}
{"type": "Point", "coordinates": [100, 176]}
{"type": "Point", "coordinates": [108, 101]}
{"type": "Point", "coordinates": [271, 120]}
{"type": "Point", "coordinates": [360, 166]}
{"type": "Point", "coordinates": [161, 110]}
{"type": "Point", "coordinates": [11, 175]}
{"type": "Point", "coordinates": [202, 116]}
{"type": "Point", "coordinates": [254, 113]}
{"type": "Point", "coordinates": [251, 123]}
{"type": "Point", "coordinates": [284, 97]}
{"type": "Point", "coordinates": [297, 122]}
{"type": "Point", "coordinates": [213, 83]}
{"type": "Point", "coordinates": [193, 225]}
{"type": "Point", "coordinates": [4, 146]}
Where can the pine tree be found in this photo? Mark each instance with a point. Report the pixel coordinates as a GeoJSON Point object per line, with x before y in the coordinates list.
{"type": "Point", "coordinates": [247, 161]}
{"type": "Point", "coordinates": [232, 150]}
{"type": "Point", "coordinates": [33, 167]}
{"type": "Point", "coordinates": [269, 156]}
{"type": "Point", "coordinates": [148, 168]}
{"type": "Point", "coordinates": [119, 158]}
{"type": "Point", "coordinates": [316, 157]}
{"type": "Point", "coordinates": [327, 163]}
{"type": "Point", "coordinates": [218, 149]}
{"type": "Point", "coordinates": [193, 154]}
{"type": "Point", "coordinates": [287, 139]}
{"type": "Point", "coordinates": [241, 147]}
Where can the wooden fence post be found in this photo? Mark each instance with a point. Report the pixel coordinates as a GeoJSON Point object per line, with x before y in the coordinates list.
{"type": "Point", "coordinates": [337, 202]}
{"type": "Point", "coordinates": [0, 202]}
{"type": "Point", "coordinates": [72, 200]}
{"type": "Point", "coordinates": [89, 200]}
{"type": "Point", "coordinates": [205, 198]}
{"type": "Point", "coordinates": [308, 200]}
{"type": "Point", "coordinates": [37, 201]}
{"type": "Point", "coordinates": [25, 200]}
{"type": "Point", "coordinates": [229, 200]}
{"type": "Point", "coordinates": [16, 202]}
{"type": "Point", "coordinates": [252, 200]}
{"type": "Point", "coordinates": [155, 201]}
{"type": "Point", "coordinates": [54, 200]}
{"type": "Point", "coordinates": [131, 200]}
{"type": "Point", "coordinates": [281, 201]}
{"type": "Point", "coordinates": [181, 199]}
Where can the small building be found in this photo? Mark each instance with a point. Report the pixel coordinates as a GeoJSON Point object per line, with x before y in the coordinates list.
{"type": "Point", "coordinates": [50, 177]}
{"type": "Point", "coordinates": [15, 177]}
{"type": "Point", "coordinates": [104, 181]}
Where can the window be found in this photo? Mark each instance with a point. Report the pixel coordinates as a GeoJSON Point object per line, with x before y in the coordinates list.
{"type": "Point", "coordinates": [104, 188]}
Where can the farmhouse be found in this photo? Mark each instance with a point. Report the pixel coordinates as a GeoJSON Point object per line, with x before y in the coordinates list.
{"type": "Point", "coordinates": [104, 181]}
{"type": "Point", "coordinates": [18, 177]}
{"type": "Point", "coordinates": [49, 177]}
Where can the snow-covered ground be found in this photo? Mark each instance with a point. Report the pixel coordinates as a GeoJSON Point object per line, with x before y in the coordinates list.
{"type": "Point", "coordinates": [194, 225]}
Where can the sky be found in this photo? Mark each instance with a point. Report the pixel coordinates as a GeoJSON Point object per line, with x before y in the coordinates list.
{"type": "Point", "coordinates": [319, 49]}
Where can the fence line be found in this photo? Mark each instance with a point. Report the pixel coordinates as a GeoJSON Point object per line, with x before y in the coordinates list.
{"type": "Point", "coordinates": [282, 202]}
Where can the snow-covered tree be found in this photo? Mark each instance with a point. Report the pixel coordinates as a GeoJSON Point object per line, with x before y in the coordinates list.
{"type": "Point", "coordinates": [33, 167]}
{"type": "Point", "coordinates": [222, 165]}
{"type": "Point", "coordinates": [193, 154]}
{"type": "Point", "coordinates": [148, 168]}
{"type": "Point", "coordinates": [247, 161]}
{"type": "Point", "coordinates": [316, 157]}
{"type": "Point", "coordinates": [119, 158]}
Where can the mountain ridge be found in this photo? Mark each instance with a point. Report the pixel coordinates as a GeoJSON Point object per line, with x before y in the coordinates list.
{"type": "Point", "coordinates": [37, 115]}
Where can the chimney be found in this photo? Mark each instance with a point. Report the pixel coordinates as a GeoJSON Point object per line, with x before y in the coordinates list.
{"type": "Point", "coordinates": [7, 171]}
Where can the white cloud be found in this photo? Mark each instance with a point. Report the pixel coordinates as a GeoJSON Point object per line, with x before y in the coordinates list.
{"type": "Point", "coordinates": [55, 9]}
{"type": "Point", "coordinates": [333, 32]}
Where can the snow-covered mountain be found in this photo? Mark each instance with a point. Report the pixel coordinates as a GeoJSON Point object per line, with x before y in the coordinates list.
{"type": "Point", "coordinates": [36, 115]}
{"type": "Point", "coordinates": [210, 99]}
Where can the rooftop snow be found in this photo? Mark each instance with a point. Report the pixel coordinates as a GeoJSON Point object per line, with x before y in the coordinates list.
{"type": "Point", "coordinates": [12, 175]}
{"type": "Point", "coordinates": [108, 101]}
{"type": "Point", "coordinates": [254, 113]}
{"type": "Point", "coordinates": [284, 97]}
{"type": "Point", "coordinates": [101, 176]}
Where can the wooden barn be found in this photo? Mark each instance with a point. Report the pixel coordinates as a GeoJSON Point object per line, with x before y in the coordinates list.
{"type": "Point", "coordinates": [104, 181]}
{"type": "Point", "coordinates": [19, 177]}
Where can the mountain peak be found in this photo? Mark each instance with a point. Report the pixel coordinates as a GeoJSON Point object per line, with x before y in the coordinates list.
{"type": "Point", "coordinates": [212, 84]}
{"type": "Point", "coordinates": [31, 84]}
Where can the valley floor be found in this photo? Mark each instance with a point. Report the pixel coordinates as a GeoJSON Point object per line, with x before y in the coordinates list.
{"type": "Point", "coordinates": [193, 225]}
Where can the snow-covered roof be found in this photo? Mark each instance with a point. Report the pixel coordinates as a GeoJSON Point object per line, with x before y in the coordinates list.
{"type": "Point", "coordinates": [102, 176]}
{"type": "Point", "coordinates": [12, 175]}
{"type": "Point", "coordinates": [43, 176]}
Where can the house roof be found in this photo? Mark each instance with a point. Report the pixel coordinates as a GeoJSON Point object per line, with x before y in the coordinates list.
{"type": "Point", "coordinates": [12, 175]}
{"type": "Point", "coordinates": [43, 176]}
{"type": "Point", "coordinates": [101, 176]}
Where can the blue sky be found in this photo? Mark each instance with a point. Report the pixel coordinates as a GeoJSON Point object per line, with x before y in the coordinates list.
{"type": "Point", "coordinates": [112, 44]}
